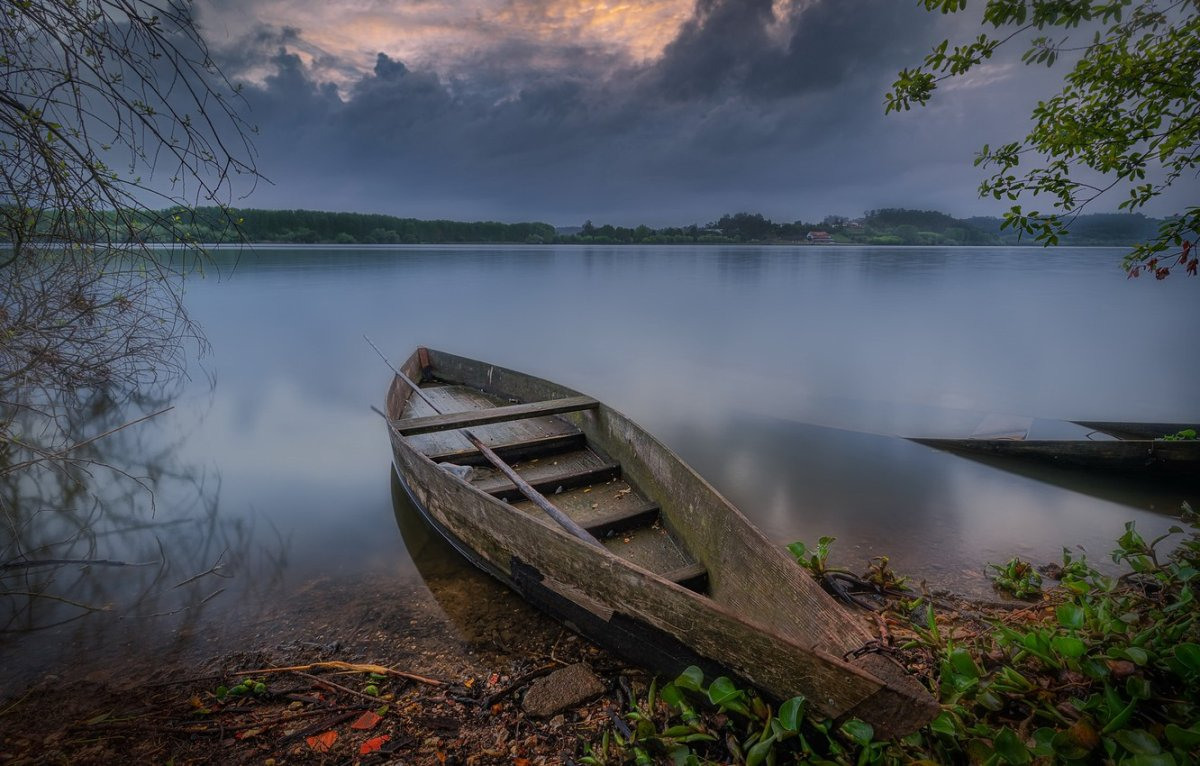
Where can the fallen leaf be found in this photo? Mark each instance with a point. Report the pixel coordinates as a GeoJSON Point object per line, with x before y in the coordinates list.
{"type": "Point", "coordinates": [373, 745]}
{"type": "Point", "coordinates": [366, 721]}
{"type": "Point", "coordinates": [322, 743]}
{"type": "Point", "coordinates": [248, 733]}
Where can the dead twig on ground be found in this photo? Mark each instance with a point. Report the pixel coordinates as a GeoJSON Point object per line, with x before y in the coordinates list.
{"type": "Point", "coordinates": [345, 666]}
{"type": "Point", "coordinates": [337, 687]}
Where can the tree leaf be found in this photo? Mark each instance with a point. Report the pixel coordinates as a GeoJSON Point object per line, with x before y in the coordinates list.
{"type": "Point", "coordinates": [322, 743]}
{"type": "Point", "coordinates": [1189, 655]}
{"type": "Point", "coordinates": [373, 745]}
{"type": "Point", "coordinates": [722, 690]}
{"type": "Point", "coordinates": [691, 679]}
{"type": "Point", "coordinates": [791, 713]}
{"type": "Point", "coordinates": [1138, 741]}
{"type": "Point", "coordinates": [1070, 616]}
{"type": "Point", "coordinates": [1010, 748]}
{"type": "Point", "coordinates": [859, 731]}
{"type": "Point", "coordinates": [1068, 646]}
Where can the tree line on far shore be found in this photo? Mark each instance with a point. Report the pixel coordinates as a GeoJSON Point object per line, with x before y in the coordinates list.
{"type": "Point", "coordinates": [889, 226]}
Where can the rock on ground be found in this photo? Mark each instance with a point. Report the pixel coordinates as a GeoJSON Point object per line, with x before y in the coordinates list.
{"type": "Point", "coordinates": [561, 690]}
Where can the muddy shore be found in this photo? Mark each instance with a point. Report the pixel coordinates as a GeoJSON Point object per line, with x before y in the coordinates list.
{"type": "Point", "coordinates": [481, 644]}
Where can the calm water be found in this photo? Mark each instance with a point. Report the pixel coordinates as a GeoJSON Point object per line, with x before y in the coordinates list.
{"type": "Point", "coordinates": [781, 374]}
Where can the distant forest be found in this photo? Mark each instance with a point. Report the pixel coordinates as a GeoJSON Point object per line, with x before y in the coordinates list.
{"type": "Point", "coordinates": [889, 226]}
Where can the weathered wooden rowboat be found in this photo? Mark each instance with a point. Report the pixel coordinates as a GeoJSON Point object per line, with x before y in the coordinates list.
{"type": "Point", "coordinates": [1134, 449]}
{"type": "Point", "coordinates": [660, 568]}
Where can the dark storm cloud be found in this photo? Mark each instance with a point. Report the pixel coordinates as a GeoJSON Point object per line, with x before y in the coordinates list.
{"type": "Point", "coordinates": [751, 106]}
{"type": "Point", "coordinates": [716, 49]}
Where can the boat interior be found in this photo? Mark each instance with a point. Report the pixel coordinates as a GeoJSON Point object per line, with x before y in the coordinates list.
{"type": "Point", "coordinates": [557, 459]}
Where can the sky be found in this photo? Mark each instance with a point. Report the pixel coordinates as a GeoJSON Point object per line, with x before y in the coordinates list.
{"type": "Point", "coordinates": [666, 112]}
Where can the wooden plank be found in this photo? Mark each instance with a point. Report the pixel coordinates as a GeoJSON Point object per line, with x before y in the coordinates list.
{"type": "Point", "coordinates": [513, 451]}
{"type": "Point", "coordinates": [619, 519]}
{"type": "Point", "coordinates": [452, 445]}
{"type": "Point", "coordinates": [551, 482]}
{"type": "Point", "coordinates": [422, 425]}
{"type": "Point", "coordinates": [588, 503]}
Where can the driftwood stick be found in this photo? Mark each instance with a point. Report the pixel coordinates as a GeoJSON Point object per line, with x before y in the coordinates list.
{"type": "Point", "coordinates": [344, 666]}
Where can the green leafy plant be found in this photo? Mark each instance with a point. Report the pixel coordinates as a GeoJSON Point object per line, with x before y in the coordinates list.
{"type": "Point", "coordinates": [1187, 434]}
{"type": "Point", "coordinates": [1018, 577]}
{"type": "Point", "coordinates": [1124, 119]}
{"type": "Point", "coordinates": [815, 560]}
{"type": "Point", "coordinates": [732, 724]}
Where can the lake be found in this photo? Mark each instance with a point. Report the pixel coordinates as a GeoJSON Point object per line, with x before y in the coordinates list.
{"type": "Point", "coordinates": [783, 375]}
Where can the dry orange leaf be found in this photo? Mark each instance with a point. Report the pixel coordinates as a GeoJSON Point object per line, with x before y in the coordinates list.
{"type": "Point", "coordinates": [322, 743]}
{"type": "Point", "coordinates": [374, 744]}
{"type": "Point", "coordinates": [366, 721]}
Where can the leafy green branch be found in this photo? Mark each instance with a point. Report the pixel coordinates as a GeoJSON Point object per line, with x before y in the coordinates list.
{"type": "Point", "coordinates": [1129, 112]}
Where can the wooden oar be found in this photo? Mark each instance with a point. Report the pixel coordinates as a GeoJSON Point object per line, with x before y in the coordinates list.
{"type": "Point", "coordinates": [537, 498]}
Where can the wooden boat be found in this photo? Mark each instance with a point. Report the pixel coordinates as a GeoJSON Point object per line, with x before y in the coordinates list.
{"type": "Point", "coordinates": [659, 567]}
{"type": "Point", "coordinates": [1130, 448]}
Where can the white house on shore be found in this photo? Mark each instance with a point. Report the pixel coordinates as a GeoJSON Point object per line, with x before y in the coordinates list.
{"type": "Point", "coordinates": [819, 238]}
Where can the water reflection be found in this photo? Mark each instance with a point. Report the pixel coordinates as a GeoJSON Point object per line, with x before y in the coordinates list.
{"type": "Point", "coordinates": [937, 516]}
{"type": "Point", "coordinates": [480, 609]}
{"type": "Point", "coordinates": [122, 548]}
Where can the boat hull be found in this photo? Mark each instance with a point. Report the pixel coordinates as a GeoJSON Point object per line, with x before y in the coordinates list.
{"type": "Point", "coordinates": [759, 616]}
{"type": "Point", "coordinates": [1140, 457]}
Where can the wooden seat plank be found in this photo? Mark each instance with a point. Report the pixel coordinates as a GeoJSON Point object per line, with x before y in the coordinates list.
{"type": "Point", "coordinates": [429, 423]}
{"type": "Point", "coordinates": [620, 519]}
{"type": "Point", "coordinates": [566, 470]}
{"type": "Point", "coordinates": [520, 449]}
